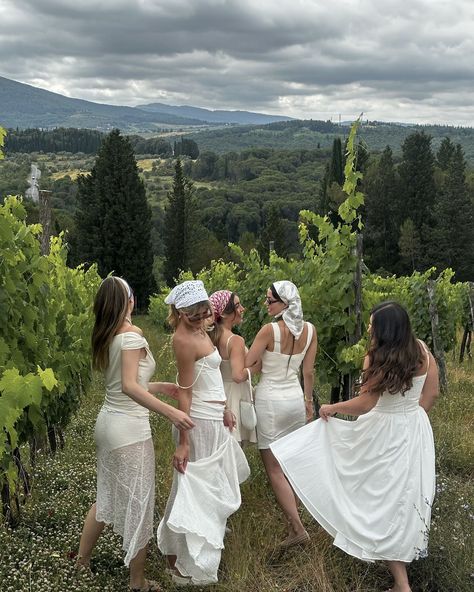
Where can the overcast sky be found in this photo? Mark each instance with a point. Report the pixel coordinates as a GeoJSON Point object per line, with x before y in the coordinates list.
{"type": "Point", "coordinates": [394, 60]}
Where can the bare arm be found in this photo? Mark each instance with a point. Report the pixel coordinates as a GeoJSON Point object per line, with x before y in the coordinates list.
{"type": "Point", "coordinates": [131, 387]}
{"type": "Point", "coordinates": [259, 345]}
{"type": "Point", "coordinates": [237, 359]}
{"type": "Point", "coordinates": [359, 405]}
{"type": "Point", "coordinates": [308, 375]}
{"type": "Point", "coordinates": [185, 360]}
{"type": "Point", "coordinates": [431, 387]}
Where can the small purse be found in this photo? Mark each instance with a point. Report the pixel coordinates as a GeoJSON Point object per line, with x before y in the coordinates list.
{"type": "Point", "coordinates": [248, 415]}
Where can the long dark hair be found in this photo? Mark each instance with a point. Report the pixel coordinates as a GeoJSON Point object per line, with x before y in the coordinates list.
{"type": "Point", "coordinates": [394, 353]}
{"type": "Point", "coordinates": [276, 296]}
{"type": "Point", "coordinates": [110, 308]}
{"type": "Point", "coordinates": [216, 331]}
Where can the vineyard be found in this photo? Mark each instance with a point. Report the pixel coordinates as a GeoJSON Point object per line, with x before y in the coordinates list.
{"type": "Point", "coordinates": [45, 372]}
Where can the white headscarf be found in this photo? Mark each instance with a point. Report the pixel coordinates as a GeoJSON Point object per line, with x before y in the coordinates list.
{"type": "Point", "coordinates": [186, 294]}
{"type": "Point", "coordinates": [293, 314]}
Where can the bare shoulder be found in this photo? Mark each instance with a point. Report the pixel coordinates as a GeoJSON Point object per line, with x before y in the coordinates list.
{"type": "Point", "coordinates": [130, 329]}
{"type": "Point", "coordinates": [236, 342]}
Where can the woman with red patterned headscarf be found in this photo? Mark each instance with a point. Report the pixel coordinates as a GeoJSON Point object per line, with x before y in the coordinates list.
{"type": "Point", "coordinates": [228, 313]}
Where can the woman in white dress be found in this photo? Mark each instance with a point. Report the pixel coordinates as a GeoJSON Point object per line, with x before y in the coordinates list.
{"type": "Point", "coordinates": [125, 453]}
{"type": "Point", "coordinates": [371, 482]}
{"type": "Point", "coordinates": [281, 404]}
{"type": "Point", "coordinates": [228, 313]}
{"type": "Point", "coordinates": [209, 464]}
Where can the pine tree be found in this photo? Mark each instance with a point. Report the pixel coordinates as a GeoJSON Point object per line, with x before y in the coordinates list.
{"type": "Point", "coordinates": [445, 154]}
{"type": "Point", "coordinates": [417, 180]}
{"type": "Point", "coordinates": [113, 219]}
{"type": "Point", "coordinates": [180, 227]}
{"type": "Point", "coordinates": [452, 242]}
{"type": "Point", "coordinates": [273, 233]}
{"type": "Point", "coordinates": [409, 244]}
{"type": "Point", "coordinates": [381, 221]}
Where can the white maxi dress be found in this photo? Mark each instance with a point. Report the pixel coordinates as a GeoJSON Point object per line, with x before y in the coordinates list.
{"type": "Point", "coordinates": [203, 498]}
{"type": "Point", "coordinates": [125, 453]}
{"type": "Point", "coordinates": [370, 483]}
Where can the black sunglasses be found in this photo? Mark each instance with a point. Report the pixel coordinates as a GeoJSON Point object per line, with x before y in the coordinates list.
{"type": "Point", "coordinates": [270, 301]}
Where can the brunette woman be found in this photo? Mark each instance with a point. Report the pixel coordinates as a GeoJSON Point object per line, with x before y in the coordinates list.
{"type": "Point", "coordinates": [228, 313]}
{"type": "Point", "coordinates": [282, 405]}
{"type": "Point", "coordinates": [370, 483]}
{"type": "Point", "coordinates": [125, 454]}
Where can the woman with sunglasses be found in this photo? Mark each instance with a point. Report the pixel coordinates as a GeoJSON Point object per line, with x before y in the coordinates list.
{"type": "Point", "coordinates": [209, 464]}
{"type": "Point", "coordinates": [371, 482]}
{"type": "Point", "coordinates": [125, 453]}
{"type": "Point", "coordinates": [228, 313]}
{"type": "Point", "coordinates": [282, 406]}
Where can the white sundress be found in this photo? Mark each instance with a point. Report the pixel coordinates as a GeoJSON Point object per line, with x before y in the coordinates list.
{"type": "Point", "coordinates": [125, 453]}
{"type": "Point", "coordinates": [370, 483]}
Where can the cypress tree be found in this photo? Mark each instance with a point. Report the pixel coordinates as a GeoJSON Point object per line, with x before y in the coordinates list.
{"type": "Point", "coordinates": [452, 243]}
{"type": "Point", "coordinates": [417, 180]}
{"type": "Point", "coordinates": [381, 220]}
{"type": "Point", "coordinates": [113, 219]}
{"type": "Point", "coordinates": [273, 232]}
{"type": "Point", "coordinates": [180, 231]}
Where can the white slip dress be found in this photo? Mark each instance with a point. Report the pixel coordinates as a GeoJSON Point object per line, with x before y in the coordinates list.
{"type": "Point", "coordinates": [370, 483]}
{"type": "Point", "coordinates": [202, 499]}
{"type": "Point", "coordinates": [236, 392]}
{"type": "Point", "coordinates": [279, 398]}
{"type": "Point", "coordinates": [125, 452]}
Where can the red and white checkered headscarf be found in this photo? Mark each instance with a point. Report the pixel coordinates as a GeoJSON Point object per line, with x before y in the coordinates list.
{"type": "Point", "coordinates": [219, 301]}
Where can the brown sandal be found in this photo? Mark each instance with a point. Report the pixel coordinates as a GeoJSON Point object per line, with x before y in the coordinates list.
{"type": "Point", "coordinates": [300, 539]}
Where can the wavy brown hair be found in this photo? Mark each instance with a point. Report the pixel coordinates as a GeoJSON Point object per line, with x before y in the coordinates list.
{"type": "Point", "coordinates": [110, 308]}
{"type": "Point", "coordinates": [394, 354]}
{"type": "Point", "coordinates": [216, 331]}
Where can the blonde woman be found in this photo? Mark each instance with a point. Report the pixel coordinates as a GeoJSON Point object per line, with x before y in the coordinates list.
{"type": "Point", "coordinates": [209, 464]}
{"type": "Point", "coordinates": [228, 313]}
{"type": "Point", "coordinates": [125, 454]}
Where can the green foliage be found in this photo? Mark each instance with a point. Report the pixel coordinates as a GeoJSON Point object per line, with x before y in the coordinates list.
{"type": "Point", "coordinates": [113, 219]}
{"type": "Point", "coordinates": [45, 320]}
{"type": "Point", "coordinates": [3, 133]}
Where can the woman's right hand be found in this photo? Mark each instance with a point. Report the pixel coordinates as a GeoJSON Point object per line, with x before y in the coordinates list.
{"type": "Point", "coordinates": [180, 420]}
{"type": "Point", "coordinates": [181, 457]}
{"type": "Point", "coordinates": [326, 411]}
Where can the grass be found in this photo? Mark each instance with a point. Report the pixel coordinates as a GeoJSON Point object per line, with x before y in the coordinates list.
{"type": "Point", "coordinates": [39, 555]}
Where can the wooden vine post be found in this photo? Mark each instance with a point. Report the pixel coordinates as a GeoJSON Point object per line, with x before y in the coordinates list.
{"type": "Point", "coordinates": [438, 350]}
{"type": "Point", "coordinates": [469, 327]}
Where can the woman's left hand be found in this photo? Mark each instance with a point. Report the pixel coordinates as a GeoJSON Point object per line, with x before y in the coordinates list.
{"type": "Point", "coordinates": [229, 419]}
{"type": "Point", "coordinates": [326, 411]}
{"type": "Point", "coordinates": [169, 389]}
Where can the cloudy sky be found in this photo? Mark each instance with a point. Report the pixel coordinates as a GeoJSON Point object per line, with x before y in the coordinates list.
{"type": "Point", "coordinates": [394, 60]}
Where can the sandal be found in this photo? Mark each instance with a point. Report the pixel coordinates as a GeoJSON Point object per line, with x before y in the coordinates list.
{"type": "Point", "coordinates": [150, 586]}
{"type": "Point", "coordinates": [299, 539]}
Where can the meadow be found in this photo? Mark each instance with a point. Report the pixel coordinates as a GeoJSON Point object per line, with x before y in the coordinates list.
{"type": "Point", "coordinates": [39, 554]}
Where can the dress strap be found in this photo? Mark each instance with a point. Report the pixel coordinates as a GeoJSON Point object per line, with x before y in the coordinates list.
{"type": "Point", "coordinates": [276, 337]}
{"type": "Point", "coordinates": [250, 386]}
{"type": "Point", "coordinates": [227, 345]}
{"type": "Point", "coordinates": [195, 380]}
{"type": "Point", "coordinates": [427, 352]}
{"type": "Point", "coordinates": [308, 338]}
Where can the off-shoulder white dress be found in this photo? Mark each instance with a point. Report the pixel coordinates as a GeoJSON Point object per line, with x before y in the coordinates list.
{"type": "Point", "coordinates": [125, 453]}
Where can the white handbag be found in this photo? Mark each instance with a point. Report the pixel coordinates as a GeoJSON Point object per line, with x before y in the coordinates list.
{"type": "Point", "coordinates": [248, 415]}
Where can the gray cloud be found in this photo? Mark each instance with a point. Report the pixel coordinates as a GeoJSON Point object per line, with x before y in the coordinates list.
{"type": "Point", "coordinates": [305, 58]}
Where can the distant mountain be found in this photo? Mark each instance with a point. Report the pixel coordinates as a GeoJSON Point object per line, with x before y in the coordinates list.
{"type": "Point", "coordinates": [23, 106]}
{"type": "Point", "coordinates": [218, 116]}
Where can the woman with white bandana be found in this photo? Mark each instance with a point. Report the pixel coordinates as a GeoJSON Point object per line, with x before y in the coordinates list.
{"type": "Point", "coordinates": [282, 405]}
{"type": "Point", "coordinates": [228, 313]}
{"type": "Point", "coordinates": [209, 464]}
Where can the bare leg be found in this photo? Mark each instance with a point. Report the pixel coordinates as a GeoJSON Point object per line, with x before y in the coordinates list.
{"type": "Point", "coordinates": [90, 534]}
{"type": "Point", "coordinates": [283, 492]}
{"type": "Point", "coordinates": [137, 569]}
{"type": "Point", "coordinates": [399, 573]}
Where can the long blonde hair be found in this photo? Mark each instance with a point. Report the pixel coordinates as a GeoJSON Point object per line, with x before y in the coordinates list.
{"type": "Point", "coordinates": [173, 314]}
{"type": "Point", "coordinates": [110, 309]}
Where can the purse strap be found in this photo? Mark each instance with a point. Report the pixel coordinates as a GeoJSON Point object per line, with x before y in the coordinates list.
{"type": "Point", "coordinates": [250, 386]}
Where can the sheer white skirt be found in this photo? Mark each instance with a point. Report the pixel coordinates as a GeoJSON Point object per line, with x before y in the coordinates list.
{"type": "Point", "coordinates": [125, 478]}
